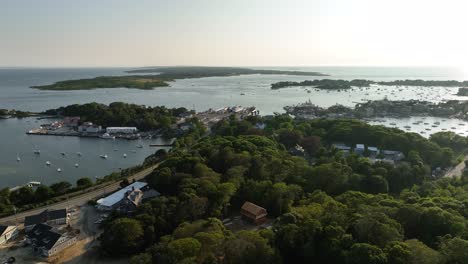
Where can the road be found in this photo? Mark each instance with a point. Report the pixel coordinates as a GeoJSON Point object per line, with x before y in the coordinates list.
{"type": "Point", "coordinates": [457, 170]}
{"type": "Point", "coordinates": [78, 200]}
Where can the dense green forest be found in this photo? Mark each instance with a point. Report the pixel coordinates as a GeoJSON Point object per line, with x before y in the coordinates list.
{"type": "Point", "coordinates": [123, 114]}
{"type": "Point", "coordinates": [327, 207]}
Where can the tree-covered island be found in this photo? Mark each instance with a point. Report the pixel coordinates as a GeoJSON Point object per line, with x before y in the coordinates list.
{"type": "Point", "coordinates": [144, 82]}
{"type": "Point", "coordinates": [162, 79]}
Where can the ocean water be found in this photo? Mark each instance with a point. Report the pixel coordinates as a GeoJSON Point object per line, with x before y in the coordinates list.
{"type": "Point", "coordinates": [199, 94]}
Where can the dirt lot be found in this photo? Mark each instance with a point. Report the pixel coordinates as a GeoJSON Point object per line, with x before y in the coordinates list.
{"type": "Point", "coordinates": [22, 254]}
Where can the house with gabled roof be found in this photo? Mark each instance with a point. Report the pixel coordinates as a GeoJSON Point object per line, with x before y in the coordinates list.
{"type": "Point", "coordinates": [253, 213]}
{"type": "Point", "coordinates": [47, 242]}
{"type": "Point", "coordinates": [50, 217]}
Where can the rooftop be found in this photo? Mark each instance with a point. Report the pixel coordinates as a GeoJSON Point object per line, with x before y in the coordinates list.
{"type": "Point", "coordinates": [116, 197]}
{"type": "Point", "coordinates": [253, 208]}
{"type": "Point", "coordinates": [45, 216]}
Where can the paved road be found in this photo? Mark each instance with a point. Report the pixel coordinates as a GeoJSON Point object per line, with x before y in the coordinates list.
{"type": "Point", "coordinates": [78, 200]}
{"type": "Point", "coordinates": [457, 170]}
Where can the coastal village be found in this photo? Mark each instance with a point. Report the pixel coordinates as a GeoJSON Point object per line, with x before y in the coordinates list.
{"type": "Point", "coordinates": [73, 126]}
{"type": "Point", "coordinates": [59, 234]}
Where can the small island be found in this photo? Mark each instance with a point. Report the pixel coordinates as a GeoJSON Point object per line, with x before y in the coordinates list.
{"type": "Point", "coordinates": [162, 79]}
{"type": "Point", "coordinates": [144, 82]}
{"type": "Point", "coordinates": [343, 84]}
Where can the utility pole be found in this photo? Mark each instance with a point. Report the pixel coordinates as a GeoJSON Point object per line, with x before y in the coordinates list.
{"type": "Point", "coordinates": [16, 218]}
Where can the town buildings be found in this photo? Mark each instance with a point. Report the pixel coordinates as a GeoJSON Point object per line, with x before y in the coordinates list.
{"type": "Point", "coordinates": [47, 242]}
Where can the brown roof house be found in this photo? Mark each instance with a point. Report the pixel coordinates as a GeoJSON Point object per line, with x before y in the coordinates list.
{"type": "Point", "coordinates": [253, 213]}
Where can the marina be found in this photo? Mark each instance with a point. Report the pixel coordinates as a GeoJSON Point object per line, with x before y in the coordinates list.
{"type": "Point", "coordinates": [59, 155]}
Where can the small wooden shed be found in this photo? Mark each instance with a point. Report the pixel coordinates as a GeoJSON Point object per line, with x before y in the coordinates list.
{"type": "Point", "coordinates": [253, 213]}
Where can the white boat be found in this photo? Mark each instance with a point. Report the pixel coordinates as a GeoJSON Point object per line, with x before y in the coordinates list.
{"type": "Point", "coordinates": [103, 156]}
{"type": "Point", "coordinates": [139, 146]}
{"type": "Point", "coordinates": [107, 136]}
{"type": "Point", "coordinates": [59, 170]}
{"type": "Point", "coordinates": [47, 163]}
{"type": "Point", "coordinates": [124, 155]}
{"type": "Point", "coordinates": [18, 158]}
{"type": "Point", "coordinates": [76, 165]}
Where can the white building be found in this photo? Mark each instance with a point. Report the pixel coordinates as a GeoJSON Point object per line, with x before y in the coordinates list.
{"type": "Point", "coordinates": [89, 127]}
{"type": "Point", "coordinates": [114, 200]}
{"type": "Point", "coordinates": [121, 130]}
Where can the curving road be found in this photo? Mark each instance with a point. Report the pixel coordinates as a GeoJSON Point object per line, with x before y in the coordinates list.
{"type": "Point", "coordinates": [78, 200]}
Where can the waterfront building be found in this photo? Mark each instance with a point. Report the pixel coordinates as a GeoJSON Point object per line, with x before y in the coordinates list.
{"type": "Point", "coordinates": [121, 130]}
{"type": "Point", "coordinates": [88, 127]}
{"type": "Point", "coordinates": [71, 121]}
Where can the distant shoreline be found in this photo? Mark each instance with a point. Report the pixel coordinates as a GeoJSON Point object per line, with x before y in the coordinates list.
{"type": "Point", "coordinates": [166, 74]}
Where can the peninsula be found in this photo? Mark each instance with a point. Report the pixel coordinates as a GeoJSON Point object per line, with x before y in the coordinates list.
{"type": "Point", "coordinates": [382, 108]}
{"type": "Point", "coordinates": [161, 78]}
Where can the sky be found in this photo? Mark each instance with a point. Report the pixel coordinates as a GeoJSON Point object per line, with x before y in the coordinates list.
{"type": "Point", "coordinates": [131, 33]}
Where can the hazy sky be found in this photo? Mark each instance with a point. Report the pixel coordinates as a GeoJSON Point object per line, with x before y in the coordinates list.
{"type": "Point", "coordinates": [233, 32]}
